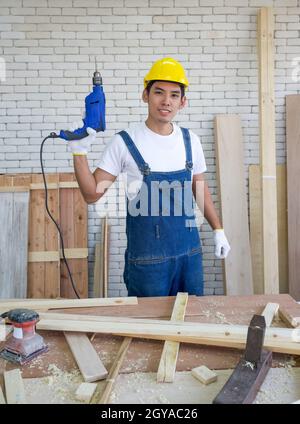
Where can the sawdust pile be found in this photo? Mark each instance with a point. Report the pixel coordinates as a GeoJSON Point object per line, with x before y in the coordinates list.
{"type": "Point", "coordinates": [57, 388]}
{"type": "Point", "coordinates": [142, 388]}
{"type": "Point", "coordinates": [281, 386]}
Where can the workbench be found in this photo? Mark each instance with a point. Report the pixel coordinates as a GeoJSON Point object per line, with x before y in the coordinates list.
{"type": "Point", "coordinates": [144, 355]}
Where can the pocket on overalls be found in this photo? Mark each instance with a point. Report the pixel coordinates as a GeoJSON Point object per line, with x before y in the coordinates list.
{"type": "Point", "coordinates": [149, 277]}
{"type": "Point", "coordinates": [195, 251]}
{"type": "Point", "coordinates": [193, 272]}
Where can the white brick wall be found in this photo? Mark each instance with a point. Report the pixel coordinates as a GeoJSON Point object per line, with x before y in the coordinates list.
{"type": "Point", "coordinates": [49, 48]}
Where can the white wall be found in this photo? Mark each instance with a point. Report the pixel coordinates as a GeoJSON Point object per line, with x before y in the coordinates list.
{"type": "Point", "coordinates": [49, 46]}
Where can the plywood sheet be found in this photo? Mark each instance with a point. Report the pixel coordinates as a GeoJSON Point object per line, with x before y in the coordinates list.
{"type": "Point", "coordinates": [234, 210]}
{"type": "Point", "coordinates": [293, 178]}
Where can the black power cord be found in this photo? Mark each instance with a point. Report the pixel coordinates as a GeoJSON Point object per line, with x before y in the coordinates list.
{"type": "Point", "coordinates": [54, 135]}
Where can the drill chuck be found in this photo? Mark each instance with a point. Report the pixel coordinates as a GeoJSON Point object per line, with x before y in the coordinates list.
{"type": "Point", "coordinates": [97, 79]}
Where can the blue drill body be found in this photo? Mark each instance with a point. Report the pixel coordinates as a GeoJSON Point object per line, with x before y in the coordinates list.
{"type": "Point", "coordinates": [94, 112]}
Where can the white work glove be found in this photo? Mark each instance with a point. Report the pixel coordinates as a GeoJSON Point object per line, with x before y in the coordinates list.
{"type": "Point", "coordinates": [81, 147]}
{"type": "Point", "coordinates": [221, 244]}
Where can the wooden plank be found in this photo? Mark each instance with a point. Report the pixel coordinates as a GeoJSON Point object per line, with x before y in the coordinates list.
{"type": "Point", "coordinates": [98, 288]}
{"type": "Point", "coordinates": [38, 304]}
{"type": "Point", "coordinates": [52, 268]}
{"type": "Point", "coordinates": [85, 391]}
{"type": "Point", "coordinates": [22, 180]}
{"type": "Point", "coordinates": [88, 361]}
{"type": "Point", "coordinates": [73, 218]}
{"type": "Point", "coordinates": [14, 387]}
{"type": "Point", "coordinates": [19, 242]}
{"type": "Point", "coordinates": [80, 238]}
{"type": "Point", "coordinates": [68, 184]}
{"type": "Point", "coordinates": [256, 237]}
{"type": "Point", "coordinates": [293, 175]}
{"type": "Point", "coordinates": [282, 340]}
{"type": "Point", "coordinates": [55, 256]}
{"type": "Point", "coordinates": [10, 189]}
{"type": "Point", "coordinates": [270, 312]}
{"type": "Point", "coordinates": [43, 256]}
{"type": "Point", "coordinates": [101, 280]}
{"type": "Point", "coordinates": [41, 186]}
{"type": "Point", "coordinates": [51, 186]}
{"type": "Point", "coordinates": [204, 374]}
{"type": "Point", "coordinates": [282, 228]}
{"type": "Point", "coordinates": [229, 149]}
{"type": "Point", "coordinates": [67, 227]}
{"type": "Point", "coordinates": [6, 249]}
{"type": "Point", "coordinates": [76, 253]}
{"type": "Point", "coordinates": [2, 399]}
{"type": "Point", "coordinates": [36, 271]}
{"type": "Point", "coordinates": [268, 149]}
{"type": "Point", "coordinates": [105, 256]}
{"type": "Point", "coordinates": [14, 215]}
{"type": "Point", "coordinates": [233, 309]}
{"type": "Point", "coordinates": [103, 398]}
{"type": "Point", "coordinates": [292, 321]}
{"type": "Point", "coordinates": [167, 364]}
{"type": "Point", "coordinates": [6, 180]}
{"type": "Point", "coordinates": [255, 206]}
{"type": "Point", "coordinates": [149, 324]}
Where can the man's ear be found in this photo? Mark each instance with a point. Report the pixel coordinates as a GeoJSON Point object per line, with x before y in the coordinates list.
{"type": "Point", "coordinates": [183, 102]}
{"type": "Point", "coordinates": [145, 96]}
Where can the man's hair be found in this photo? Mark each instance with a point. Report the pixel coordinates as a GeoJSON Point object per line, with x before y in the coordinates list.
{"type": "Point", "coordinates": [182, 88]}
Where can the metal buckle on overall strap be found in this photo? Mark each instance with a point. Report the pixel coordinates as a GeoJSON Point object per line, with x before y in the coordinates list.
{"type": "Point", "coordinates": [189, 165]}
{"type": "Point", "coordinates": [145, 169]}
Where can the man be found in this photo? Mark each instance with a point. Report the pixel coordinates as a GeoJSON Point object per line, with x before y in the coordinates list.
{"type": "Point", "coordinates": [165, 164]}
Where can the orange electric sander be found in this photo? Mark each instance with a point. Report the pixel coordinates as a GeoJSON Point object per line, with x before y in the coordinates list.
{"type": "Point", "coordinates": [24, 344]}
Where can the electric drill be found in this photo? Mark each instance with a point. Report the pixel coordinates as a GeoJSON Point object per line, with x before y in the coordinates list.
{"type": "Point", "coordinates": [94, 112]}
{"type": "Point", "coordinates": [94, 118]}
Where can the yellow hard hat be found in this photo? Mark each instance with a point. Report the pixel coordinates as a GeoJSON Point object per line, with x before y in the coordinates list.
{"type": "Point", "coordinates": [166, 69]}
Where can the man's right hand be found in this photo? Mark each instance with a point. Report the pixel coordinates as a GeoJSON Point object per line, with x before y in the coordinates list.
{"type": "Point", "coordinates": [81, 147]}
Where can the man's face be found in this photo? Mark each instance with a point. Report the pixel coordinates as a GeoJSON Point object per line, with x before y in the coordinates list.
{"type": "Point", "coordinates": [164, 101]}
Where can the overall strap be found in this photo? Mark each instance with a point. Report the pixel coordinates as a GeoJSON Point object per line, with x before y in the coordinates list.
{"type": "Point", "coordinates": [142, 165]}
{"type": "Point", "coordinates": [188, 148]}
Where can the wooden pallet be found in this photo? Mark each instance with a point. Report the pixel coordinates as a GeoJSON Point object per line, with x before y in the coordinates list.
{"type": "Point", "coordinates": [47, 276]}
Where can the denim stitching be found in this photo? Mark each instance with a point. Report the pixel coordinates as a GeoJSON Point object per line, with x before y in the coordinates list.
{"type": "Point", "coordinates": [192, 252]}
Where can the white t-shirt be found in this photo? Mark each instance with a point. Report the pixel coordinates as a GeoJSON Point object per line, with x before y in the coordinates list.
{"type": "Point", "coordinates": [163, 153]}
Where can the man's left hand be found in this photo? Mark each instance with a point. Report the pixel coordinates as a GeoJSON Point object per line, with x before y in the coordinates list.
{"type": "Point", "coordinates": [222, 246]}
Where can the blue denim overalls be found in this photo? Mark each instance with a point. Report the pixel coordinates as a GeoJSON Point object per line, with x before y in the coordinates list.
{"type": "Point", "coordinates": [163, 253]}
